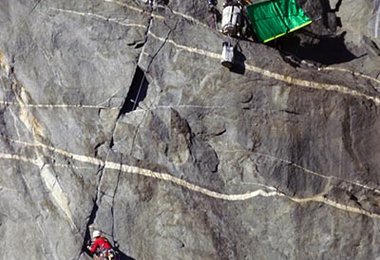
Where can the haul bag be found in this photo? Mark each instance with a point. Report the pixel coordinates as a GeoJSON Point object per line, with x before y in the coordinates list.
{"type": "Point", "coordinates": [274, 18]}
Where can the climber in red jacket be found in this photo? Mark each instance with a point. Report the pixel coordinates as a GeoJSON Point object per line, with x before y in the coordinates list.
{"type": "Point", "coordinates": [101, 248]}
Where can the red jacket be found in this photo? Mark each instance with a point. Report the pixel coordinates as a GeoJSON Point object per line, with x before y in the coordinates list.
{"type": "Point", "coordinates": [101, 244]}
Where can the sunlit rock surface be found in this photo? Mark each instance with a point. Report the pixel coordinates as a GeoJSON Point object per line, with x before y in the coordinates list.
{"type": "Point", "coordinates": [117, 115]}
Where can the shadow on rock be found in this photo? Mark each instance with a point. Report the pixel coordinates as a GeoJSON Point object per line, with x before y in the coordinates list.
{"type": "Point", "coordinates": [320, 49]}
{"type": "Point", "coordinates": [123, 256]}
{"type": "Point", "coordinates": [239, 61]}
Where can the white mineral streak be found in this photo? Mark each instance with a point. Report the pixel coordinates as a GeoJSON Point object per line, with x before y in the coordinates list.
{"type": "Point", "coordinates": [97, 16]}
{"type": "Point", "coordinates": [4, 64]}
{"type": "Point", "coordinates": [195, 21]}
{"type": "Point", "coordinates": [267, 73]}
{"type": "Point", "coordinates": [277, 76]}
{"type": "Point", "coordinates": [272, 192]}
{"type": "Point", "coordinates": [59, 196]}
{"type": "Point", "coordinates": [50, 181]}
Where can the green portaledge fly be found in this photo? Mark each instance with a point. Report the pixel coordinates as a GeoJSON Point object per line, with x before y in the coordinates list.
{"type": "Point", "coordinates": [275, 18]}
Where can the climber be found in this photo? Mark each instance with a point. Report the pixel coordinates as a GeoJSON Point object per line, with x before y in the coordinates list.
{"type": "Point", "coordinates": [100, 247]}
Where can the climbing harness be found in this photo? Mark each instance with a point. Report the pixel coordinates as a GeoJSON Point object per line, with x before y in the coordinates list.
{"type": "Point", "coordinates": [108, 254]}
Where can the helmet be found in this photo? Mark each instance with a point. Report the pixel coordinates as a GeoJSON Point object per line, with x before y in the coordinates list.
{"type": "Point", "coordinates": [96, 234]}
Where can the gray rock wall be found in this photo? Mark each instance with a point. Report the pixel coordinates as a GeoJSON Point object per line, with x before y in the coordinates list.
{"type": "Point", "coordinates": [118, 116]}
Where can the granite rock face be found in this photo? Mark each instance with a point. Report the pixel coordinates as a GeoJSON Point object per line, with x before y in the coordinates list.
{"type": "Point", "coordinates": [117, 115]}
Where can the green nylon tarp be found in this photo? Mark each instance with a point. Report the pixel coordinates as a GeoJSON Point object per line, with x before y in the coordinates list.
{"type": "Point", "coordinates": [274, 18]}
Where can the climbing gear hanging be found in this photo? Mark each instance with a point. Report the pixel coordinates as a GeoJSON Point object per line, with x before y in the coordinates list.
{"type": "Point", "coordinates": [108, 254]}
{"type": "Point", "coordinates": [227, 55]}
